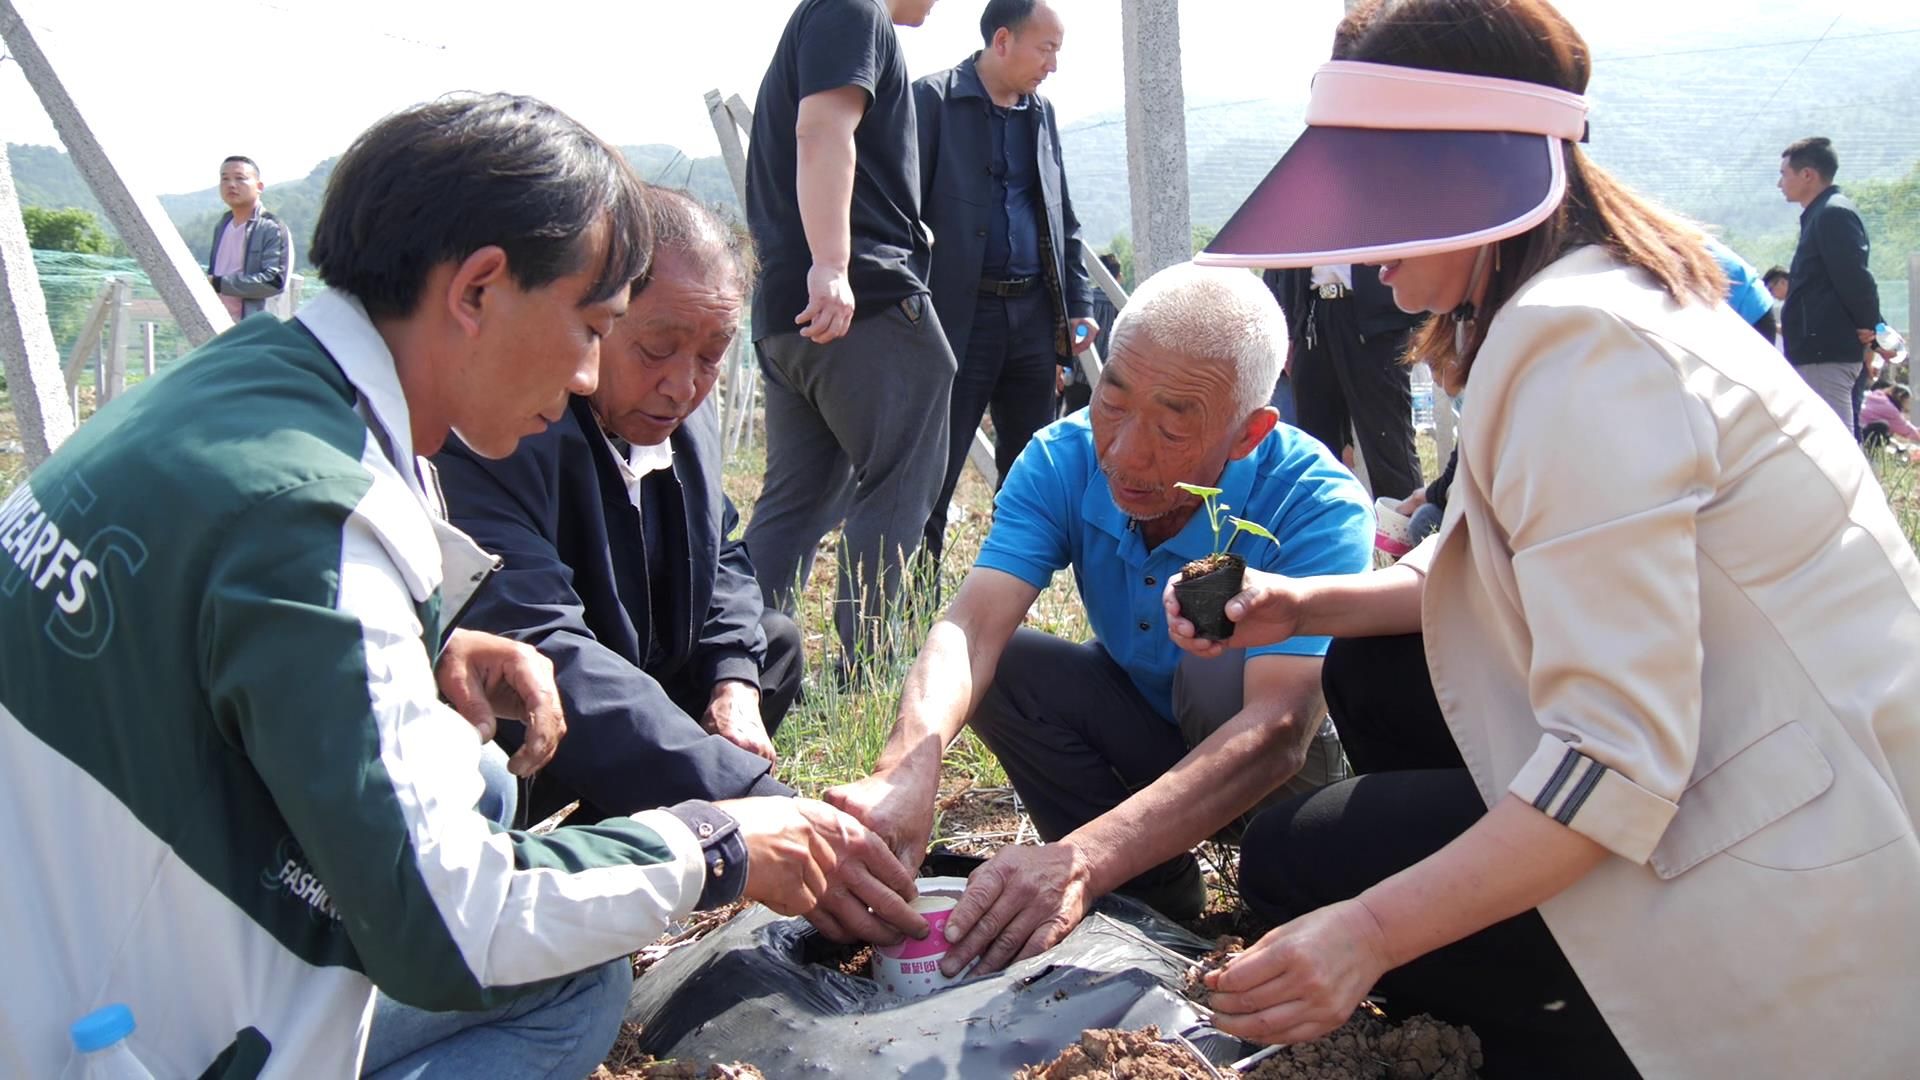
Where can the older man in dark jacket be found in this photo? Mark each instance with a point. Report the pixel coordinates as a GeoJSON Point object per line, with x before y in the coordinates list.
{"type": "Point", "coordinates": [619, 558]}
{"type": "Point", "coordinates": [1008, 279]}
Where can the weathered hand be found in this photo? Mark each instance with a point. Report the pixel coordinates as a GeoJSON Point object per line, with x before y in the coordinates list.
{"type": "Point", "coordinates": [1303, 979]}
{"type": "Point", "coordinates": [733, 713]}
{"type": "Point", "coordinates": [1266, 610]}
{"type": "Point", "coordinates": [795, 846]}
{"type": "Point", "coordinates": [1413, 502]}
{"type": "Point", "coordinates": [897, 804]}
{"type": "Point", "coordinates": [829, 305]}
{"type": "Point", "coordinates": [870, 901]}
{"type": "Point", "coordinates": [487, 677]}
{"type": "Point", "coordinates": [1020, 904]}
{"type": "Point", "coordinates": [1866, 336]}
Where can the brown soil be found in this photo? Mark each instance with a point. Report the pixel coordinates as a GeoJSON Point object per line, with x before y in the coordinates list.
{"type": "Point", "coordinates": [1200, 567]}
{"type": "Point", "coordinates": [1120, 1055]}
{"type": "Point", "coordinates": [1369, 1047]}
{"type": "Point", "coordinates": [1224, 950]}
{"type": "Point", "coordinates": [978, 821]}
{"type": "Point", "coordinates": [628, 1062]}
{"type": "Point", "coordinates": [851, 959]}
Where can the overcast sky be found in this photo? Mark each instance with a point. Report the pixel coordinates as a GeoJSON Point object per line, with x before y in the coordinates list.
{"type": "Point", "coordinates": [175, 85]}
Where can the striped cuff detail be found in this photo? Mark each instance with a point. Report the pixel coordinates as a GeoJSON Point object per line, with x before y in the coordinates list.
{"type": "Point", "coordinates": [1593, 800]}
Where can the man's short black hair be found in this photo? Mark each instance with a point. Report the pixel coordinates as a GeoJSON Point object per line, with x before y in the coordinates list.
{"type": "Point", "coordinates": [1773, 274]}
{"type": "Point", "coordinates": [1012, 14]}
{"type": "Point", "coordinates": [437, 182]}
{"type": "Point", "coordinates": [1814, 153]}
{"type": "Point", "coordinates": [244, 161]}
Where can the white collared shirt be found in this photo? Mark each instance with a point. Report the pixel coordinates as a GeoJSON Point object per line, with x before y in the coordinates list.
{"type": "Point", "coordinates": [638, 462]}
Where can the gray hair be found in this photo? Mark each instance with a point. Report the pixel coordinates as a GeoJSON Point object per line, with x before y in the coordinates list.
{"type": "Point", "coordinates": [1208, 313]}
{"type": "Point", "coordinates": [682, 223]}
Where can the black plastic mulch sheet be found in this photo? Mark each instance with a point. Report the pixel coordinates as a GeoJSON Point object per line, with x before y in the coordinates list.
{"type": "Point", "coordinates": [746, 993]}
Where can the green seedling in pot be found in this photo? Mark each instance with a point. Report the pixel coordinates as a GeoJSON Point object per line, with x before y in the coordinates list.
{"type": "Point", "coordinates": [1207, 584]}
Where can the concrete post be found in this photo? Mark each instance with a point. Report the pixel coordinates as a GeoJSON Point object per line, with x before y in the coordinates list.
{"type": "Point", "coordinates": [1913, 324]}
{"type": "Point", "coordinates": [31, 359]}
{"type": "Point", "coordinates": [1156, 135]}
{"type": "Point", "coordinates": [143, 226]}
{"type": "Point", "coordinates": [119, 340]}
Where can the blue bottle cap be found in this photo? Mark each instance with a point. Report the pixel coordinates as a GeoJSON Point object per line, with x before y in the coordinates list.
{"type": "Point", "coordinates": [101, 1028]}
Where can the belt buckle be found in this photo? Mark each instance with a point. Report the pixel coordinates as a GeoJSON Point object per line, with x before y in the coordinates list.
{"type": "Point", "coordinates": [1330, 290]}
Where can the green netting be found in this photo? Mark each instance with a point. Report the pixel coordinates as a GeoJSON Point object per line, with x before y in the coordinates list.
{"type": "Point", "coordinates": [72, 282]}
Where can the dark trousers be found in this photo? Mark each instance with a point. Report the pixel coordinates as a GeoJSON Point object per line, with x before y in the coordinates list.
{"type": "Point", "coordinates": [1411, 797]}
{"type": "Point", "coordinates": [856, 437]}
{"type": "Point", "coordinates": [779, 688]}
{"type": "Point", "coordinates": [1077, 738]}
{"type": "Point", "coordinates": [1009, 369]}
{"type": "Point", "coordinates": [1342, 377]}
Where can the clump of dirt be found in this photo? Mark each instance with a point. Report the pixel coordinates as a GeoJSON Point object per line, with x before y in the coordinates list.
{"type": "Point", "coordinates": [1120, 1055]}
{"type": "Point", "coordinates": [1204, 565]}
{"type": "Point", "coordinates": [1369, 1047]}
{"type": "Point", "coordinates": [1225, 949]}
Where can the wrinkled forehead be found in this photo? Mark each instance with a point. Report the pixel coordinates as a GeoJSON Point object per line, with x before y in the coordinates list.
{"type": "Point", "coordinates": [1173, 375]}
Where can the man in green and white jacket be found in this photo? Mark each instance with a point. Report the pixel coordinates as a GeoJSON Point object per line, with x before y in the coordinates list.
{"type": "Point", "coordinates": [230, 795]}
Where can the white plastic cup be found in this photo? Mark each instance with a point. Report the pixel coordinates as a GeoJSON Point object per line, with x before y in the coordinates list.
{"type": "Point", "coordinates": [1393, 530]}
{"type": "Point", "coordinates": [912, 968]}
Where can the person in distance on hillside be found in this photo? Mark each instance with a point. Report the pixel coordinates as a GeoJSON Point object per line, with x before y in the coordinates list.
{"type": "Point", "coordinates": [252, 249]}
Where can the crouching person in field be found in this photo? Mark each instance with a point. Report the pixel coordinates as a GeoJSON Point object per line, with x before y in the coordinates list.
{"type": "Point", "coordinates": [1126, 755]}
{"type": "Point", "coordinates": [233, 798]}
{"type": "Point", "coordinates": [620, 562]}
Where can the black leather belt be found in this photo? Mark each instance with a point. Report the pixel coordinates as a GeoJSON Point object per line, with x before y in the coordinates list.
{"type": "Point", "coordinates": [1008, 287]}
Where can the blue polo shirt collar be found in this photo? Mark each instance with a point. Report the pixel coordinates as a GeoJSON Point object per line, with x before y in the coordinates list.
{"type": "Point", "coordinates": [1195, 541]}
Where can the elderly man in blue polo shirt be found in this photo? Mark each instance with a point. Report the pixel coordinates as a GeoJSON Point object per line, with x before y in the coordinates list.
{"type": "Point", "coordinates": [1126, 753]}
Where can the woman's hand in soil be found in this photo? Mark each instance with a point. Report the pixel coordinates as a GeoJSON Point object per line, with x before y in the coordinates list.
{"type": "Point", "coordinates": [1303, 979]}
{"type": "Point", "coordinates": [1020, 904]}
{"type": "Point", "coordinates": [1266, 610]}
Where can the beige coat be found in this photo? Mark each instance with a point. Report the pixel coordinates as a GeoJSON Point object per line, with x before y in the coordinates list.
{"type": "Point", "coordinates": [1670, 607]}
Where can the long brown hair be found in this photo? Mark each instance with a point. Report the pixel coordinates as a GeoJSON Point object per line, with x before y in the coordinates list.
{"type": "Point", "coordinates": [1530, 41]}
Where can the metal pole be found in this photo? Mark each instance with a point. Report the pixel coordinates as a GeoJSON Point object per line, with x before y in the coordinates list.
{"type": "Point", "coordinates": [150, 328]}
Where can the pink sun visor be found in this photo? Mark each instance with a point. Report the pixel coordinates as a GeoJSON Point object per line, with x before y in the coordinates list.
{"type": "Point", "coordinates": [1398, 162]}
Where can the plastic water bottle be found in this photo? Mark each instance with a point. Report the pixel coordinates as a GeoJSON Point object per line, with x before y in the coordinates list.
{"type": "Point", "coordinates": [1887, 338]}
{"type": "Point", "coordinates": [100, 1041]}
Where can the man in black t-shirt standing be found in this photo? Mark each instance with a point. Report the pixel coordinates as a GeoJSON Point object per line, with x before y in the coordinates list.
{"type": "Point", "coordinates": [858, 373]}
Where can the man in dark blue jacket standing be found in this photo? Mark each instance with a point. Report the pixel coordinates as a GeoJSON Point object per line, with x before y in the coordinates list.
{"type": "Point", "coordinates": [1008, 279]}
{"type": "Point", "coordinates": [1832, 302]}
{"type": "Point", "coordinates": [619, 561]}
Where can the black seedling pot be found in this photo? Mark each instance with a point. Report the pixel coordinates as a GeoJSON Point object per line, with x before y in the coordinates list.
{"type": "Point", "coordinates": [1203, 597]}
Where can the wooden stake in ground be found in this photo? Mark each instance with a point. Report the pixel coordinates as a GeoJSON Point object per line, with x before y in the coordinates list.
{"type": "Point", "coordinates": [26, 340]}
